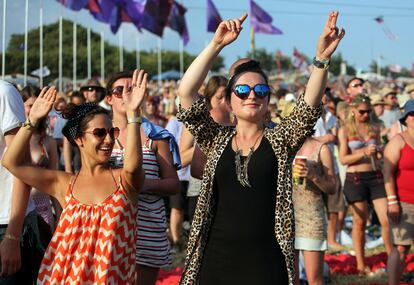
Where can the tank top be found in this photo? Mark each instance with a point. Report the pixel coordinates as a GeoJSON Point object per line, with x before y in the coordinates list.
{"type": "Point", "coordinates": [92, 244]}
{"type": "Point", "coordinates": [309, 206]}
{"type": "Point", "coordinates": [405, 174]}
{"type": "Point", "coordinates": [152, 244]}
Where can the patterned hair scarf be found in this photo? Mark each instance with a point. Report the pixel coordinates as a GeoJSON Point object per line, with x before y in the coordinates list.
{"type": "Point", "coordinates": [360, 98]}
{"type": "Point", "coordinates": [71, 128]}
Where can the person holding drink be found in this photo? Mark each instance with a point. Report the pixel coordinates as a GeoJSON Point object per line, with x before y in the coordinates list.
{"type": "Point", "coordinates": [359, 150]}
{"type": "Point", "coordinates": [313, 174]}
{"type": "Point", "coordinates": [243, 227]}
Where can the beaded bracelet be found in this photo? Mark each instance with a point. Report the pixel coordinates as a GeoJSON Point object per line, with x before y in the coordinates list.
{"type": "Point", "coordinates": [11, 237]}
{"type": "Point", "coordinates": [391, 197]}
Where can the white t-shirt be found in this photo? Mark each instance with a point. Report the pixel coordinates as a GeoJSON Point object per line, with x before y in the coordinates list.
{"type": "Point", "coordinates": [11, 115]}
{"type": "Point", "coordinates": [323, 128]}
{"type": "Point", "coordinates": [175, 128]}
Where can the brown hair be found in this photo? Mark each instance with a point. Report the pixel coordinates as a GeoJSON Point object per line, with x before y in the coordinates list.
{"type": "Point", "coordinates": [213, 84]}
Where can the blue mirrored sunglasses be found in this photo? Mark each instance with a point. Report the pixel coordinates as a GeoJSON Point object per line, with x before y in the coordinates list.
{"type": "Point", "coordinates": [243, 90]}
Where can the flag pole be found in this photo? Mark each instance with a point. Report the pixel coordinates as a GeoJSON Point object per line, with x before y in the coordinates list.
{"type": "Point", "coordinates": [26, 20]}
{"type": "Point", "coordinates": [74, 56]}
{"type": "Point", "coordinates": [41, 44]}
{"type": "Point", "coordinates": [102, 57]}
{"type": "Point", "coordinates": [121, 50]}
{"type": "Point", "coordinates": [60, 53]}
{"type": "Point", "coordinates": [3, 56]}
{"type": "Point", "coordinates": [159, 63]}
{"type": "Point", "coordinates": [181, 57]}
{"type": "Point", "coordinates": [138, 51]}
{"type": "Point", "coordinates": [89, 53]}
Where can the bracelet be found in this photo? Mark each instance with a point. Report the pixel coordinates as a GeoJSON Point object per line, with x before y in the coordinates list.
{"type": "Point", "coordinates": [11, 237]}
{"type": "Point", "coordinates": [392, 203]}
{"type": "Point", "coordinates": [28, 123]}
{"type": "Point", "coordinates": [391, 197]}
{"type": "Point", "coordinates": [321, 63]}
{"type": "Point", "coordinates": [134, 120]}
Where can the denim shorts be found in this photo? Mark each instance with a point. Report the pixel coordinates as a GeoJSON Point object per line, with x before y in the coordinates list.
{"type": "Point", "coordinates": [31, 253]}
{"type": "Point", "coordinates": [364, 186]}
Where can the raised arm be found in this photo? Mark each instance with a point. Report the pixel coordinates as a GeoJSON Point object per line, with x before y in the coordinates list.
{"type": "Point", "coordinates": [133, 96]}
{"type": "Point", "coordinates": [327, 44]}
{"type": "Point", "coordinates": [226, 33]}
{"type": "Point", "coordinates": [46, 180]}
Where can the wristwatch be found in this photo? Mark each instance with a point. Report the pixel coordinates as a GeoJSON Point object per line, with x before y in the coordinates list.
{"type": "Point", "coordinates": [321, 63]}
{"type": "Point", "coordinates": [27, 123]}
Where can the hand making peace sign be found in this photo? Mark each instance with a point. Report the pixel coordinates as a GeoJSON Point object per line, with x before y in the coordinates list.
{"type": "Point", "coordinates": [330, 37]}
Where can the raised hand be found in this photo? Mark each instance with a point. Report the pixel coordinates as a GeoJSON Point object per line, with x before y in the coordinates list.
{"type": "Point", "coordinates": [330, 37]}
{"type": "Point", "coordinates": [43, 104]}
{"type": "Point", "coordinates": [133, 95]}
{"type": "Point", "coordinates": [228, 31]}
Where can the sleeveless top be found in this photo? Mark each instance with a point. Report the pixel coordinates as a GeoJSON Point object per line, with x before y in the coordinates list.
{"type": "Point", "coordinates": [92, 244]}
{"type": "Point", "coordinates": [405, 174]}
{"type": "Point", "coordinates": [309, 206]}
{"type": "Point", "coordinates": [152, 244]}
{"type": "Point", "coordinates": [242, 247]}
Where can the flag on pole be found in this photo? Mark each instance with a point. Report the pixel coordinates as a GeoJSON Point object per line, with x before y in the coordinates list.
{"type": "Point", "coordinates": [75, 5]}
{"type": "Point", "coordinates": [261, 21]}
{"type": "Point", "coordinates": [156, 15]}
{"type": "Point", "coordinates": [385, 28]}
{"type": "Point", "coordinates": [213, 17]}
{"type": "Point", "coordinates": [177, 21]}
{"type": "Point", "coordinates": [299, 61]}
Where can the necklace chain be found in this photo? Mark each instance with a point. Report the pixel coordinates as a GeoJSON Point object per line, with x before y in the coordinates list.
{"type": "Point", "coordinates": [242, 167]}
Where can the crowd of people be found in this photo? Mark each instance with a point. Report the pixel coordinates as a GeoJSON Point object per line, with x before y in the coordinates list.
{"type": "Point", "coordinates": [96, 183]}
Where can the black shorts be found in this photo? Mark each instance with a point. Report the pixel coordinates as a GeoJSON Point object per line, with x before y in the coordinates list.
{"type": "Point", "coordinates": [364, 186]}
{"type": "Point", "coordinates": [179, 200]}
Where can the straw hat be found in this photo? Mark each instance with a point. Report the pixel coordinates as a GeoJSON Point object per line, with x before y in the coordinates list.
{"type": "Point", "coordinates": [409, 88]}
{"type": "Point", "coordinates": [376, 99]}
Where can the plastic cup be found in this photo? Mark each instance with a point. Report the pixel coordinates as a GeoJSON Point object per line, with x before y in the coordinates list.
{"type": "Point", "coordinates": [296, 179]}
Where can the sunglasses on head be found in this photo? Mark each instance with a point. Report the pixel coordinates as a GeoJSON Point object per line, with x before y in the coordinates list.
{"type": "Point", "coordinates": [363, 112]}
{"type": "Point", "coordinates": [117, 91]}
{"type": "Point", "coordinates": [356, 85]}
{"type": "Point", "coordinates": [243, 90]}
{"type": "Point", "coordinates": [101, 133]}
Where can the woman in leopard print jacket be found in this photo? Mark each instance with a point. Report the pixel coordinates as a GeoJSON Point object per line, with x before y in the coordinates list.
{"type": "Point", "coordinates": [243, 228]}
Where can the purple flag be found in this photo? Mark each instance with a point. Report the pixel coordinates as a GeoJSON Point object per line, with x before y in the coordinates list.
{"type": "Point", "coordinates": [177, 21]}
{"type": "Point", "coordinates": [213, 17]}
{"type": "Point", "coordinates": [74, 4]}
{"type": "Point", "coordinates": [261, 21]}
{"type": "Point", "coordinates": [155, 16]}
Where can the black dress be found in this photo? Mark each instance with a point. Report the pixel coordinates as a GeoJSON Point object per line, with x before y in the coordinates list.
{"type": "Point", "coordinates": [242, 247]}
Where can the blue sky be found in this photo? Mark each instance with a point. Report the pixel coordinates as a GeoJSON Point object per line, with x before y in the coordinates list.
{"type": "Point", "coordinates": [300, 20]}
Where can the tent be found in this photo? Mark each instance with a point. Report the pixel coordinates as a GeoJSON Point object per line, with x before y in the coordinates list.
{"type": "Point", "coordinates": [168, 75]}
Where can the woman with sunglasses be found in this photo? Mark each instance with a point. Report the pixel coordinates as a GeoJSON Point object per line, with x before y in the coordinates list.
{"type": "Point", "coordinates": [243, 227]}
{"type": "Point", "coordinates": [360, 151]}
{"type": "Point", "coordinates": [152, 245]}
{"type": "Point", "coordinates": [94, 241]}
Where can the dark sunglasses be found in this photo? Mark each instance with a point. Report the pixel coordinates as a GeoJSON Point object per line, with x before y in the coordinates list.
{"type": "Point", "coordinates": [363, 112]}
{"type": "Point", "coordinates": [117, 91]}
{"type": "Point", "coordinates": [356, 85]}
{"type": "Point", "coordinates": [101, 133]}
{"type": "Point", "coordinates": [243, 90]}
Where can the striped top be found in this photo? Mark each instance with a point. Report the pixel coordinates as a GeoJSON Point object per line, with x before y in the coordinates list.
{"type": "Point", "coordinates": [92, 244]}
{"type": "Point", "coordinates": [152, 244]}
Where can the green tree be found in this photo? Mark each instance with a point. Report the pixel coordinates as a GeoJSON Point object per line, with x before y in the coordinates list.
{"type": "Point", "coordinates": [15, 54]}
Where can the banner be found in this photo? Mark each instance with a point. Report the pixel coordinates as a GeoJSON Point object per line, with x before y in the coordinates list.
{"type": "Point", "coordinates": [213, 17]}
{"type": "Point", "coordinates": [177, 21]}
{"type": "Point", "coordinates": [261, 21]}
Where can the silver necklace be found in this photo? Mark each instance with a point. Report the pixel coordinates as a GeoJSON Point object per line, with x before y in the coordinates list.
{"type": "Point", "coordinates": [242, 168]}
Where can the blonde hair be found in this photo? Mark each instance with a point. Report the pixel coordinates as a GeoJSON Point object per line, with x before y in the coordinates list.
{"type": "Point", "coordinates": [351, 125]}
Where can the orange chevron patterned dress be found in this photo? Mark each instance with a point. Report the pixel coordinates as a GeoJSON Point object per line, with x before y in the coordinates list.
{"type": "Point", "coordinates": [92, 244]}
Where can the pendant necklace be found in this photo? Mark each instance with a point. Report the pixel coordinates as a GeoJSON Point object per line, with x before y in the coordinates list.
{"type": "Point", "coordinates": [242, 167]}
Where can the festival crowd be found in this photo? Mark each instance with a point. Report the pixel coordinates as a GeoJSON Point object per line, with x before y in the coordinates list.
{"type": "Point", "coordinates": [96, 183]}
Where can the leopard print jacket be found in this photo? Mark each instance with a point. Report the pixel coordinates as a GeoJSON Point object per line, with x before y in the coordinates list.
{"type": "Point", "coordinates": [286, 139]}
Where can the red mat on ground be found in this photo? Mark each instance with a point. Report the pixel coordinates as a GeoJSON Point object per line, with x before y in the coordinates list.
{"type": "Point", "coordinates": [346, 263]}
{"type": "Point", "coordinates": [340, 264]}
